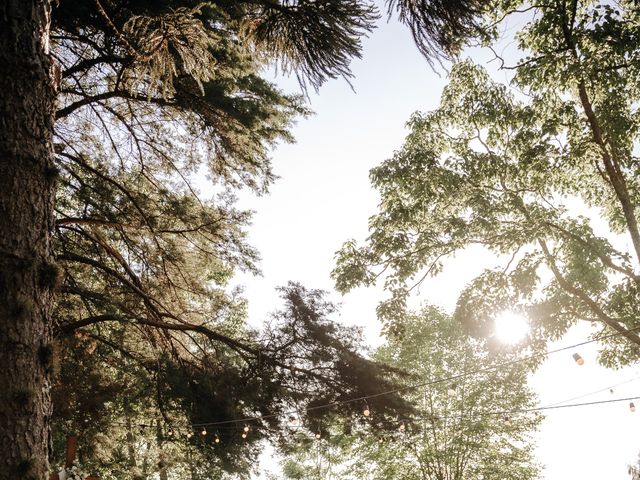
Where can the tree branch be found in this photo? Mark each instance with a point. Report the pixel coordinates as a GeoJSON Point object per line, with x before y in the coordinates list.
{"type": "Point", "coordinates": [234, 344]}
{"type": "Point", "coordinates": [611, 164]}
{"type": "Point", "coordinates": [588, 301]}
{"type": "Point", "coordinates": [603, 258]}
{"type": "Point", "coordinates": [91, 62]}
{"type": "Point", "coordinates": [88, 99]}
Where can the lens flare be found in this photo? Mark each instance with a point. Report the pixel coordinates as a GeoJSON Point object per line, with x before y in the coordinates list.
{"type": "Point", "coordinates": [510, 327]}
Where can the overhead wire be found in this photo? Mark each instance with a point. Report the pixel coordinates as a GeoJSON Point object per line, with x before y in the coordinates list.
{"type": "Point", "coordinates": [450, 378]}
{"type": "Point", "coordinates": [233, 424]}
{"type": "Point", "coordinates": [604, 389]}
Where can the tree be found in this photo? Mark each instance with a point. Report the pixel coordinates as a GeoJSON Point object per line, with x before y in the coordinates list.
{"type": "Point", "coordinates": [150, 93]}
{"type": "Point", "coordinates": [634, 471]}
{"type": "Point", "coordinates": [502, 170]}
{"type": "Point", "coordinates": [26, 219]}
{"type": "Point", "coordinates": [136, 410]}
{"type": "Point", "coordinates": [457, 430]}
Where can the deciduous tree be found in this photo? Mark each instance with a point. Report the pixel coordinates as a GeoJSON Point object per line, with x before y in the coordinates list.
{"type": "Point", "coordinates": [459, 429]}
{"type": "Point", "coordinates": [545, 176]}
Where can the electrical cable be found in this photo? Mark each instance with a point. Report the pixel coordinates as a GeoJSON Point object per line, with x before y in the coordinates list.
{"type": "Point", "coordinates": [418, 385]}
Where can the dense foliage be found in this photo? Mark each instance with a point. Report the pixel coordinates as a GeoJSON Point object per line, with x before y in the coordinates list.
{"type": "Point", "coordinates": [460, 428]}
{"type": "Point", "coordinates": [150, 339]}
{"type": "Point", "coordinates": [141, 406]}
{"type": "Point", "coordinates": [543, 172]}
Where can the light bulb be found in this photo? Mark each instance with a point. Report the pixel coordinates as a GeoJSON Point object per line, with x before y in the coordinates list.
{"type": "Point", "coordinates": [204, 431]}
{"type": "Point", "coordinates": [366, 412]}
{"type": "Point", "coordinates": [189, 435]}
{"type": "Point", "coordinates": [246, 428]}
{"type": "Point", "coordinates": [318, 435]}
{"type": "Point", "coordinates": [579, 360]}
{"type": "Point", "coordinates": [217, 440]}
{"type": "Point", "coordinates": [293, 422]}
{"type": "Point", "coordinates": [401, 427]}
{"type": "Point", "coordinates": [244, 435]}
{"type": "Point", "coordinates": [632, 407]}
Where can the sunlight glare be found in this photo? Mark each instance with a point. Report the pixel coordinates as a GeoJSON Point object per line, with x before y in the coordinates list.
{"type": "Point", "coordinates": [511, 327]}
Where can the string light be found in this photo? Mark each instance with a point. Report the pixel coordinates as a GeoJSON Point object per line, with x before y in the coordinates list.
{"type": "Point", "coordinates": [579, 360]}
{"type": "Point", "coordinates": [555, 406]}
{"type": "Point", "coordinates": [246, 428]}
{"type": "Point", "coordinates": [366, 412]}
{"type": "Point", "coordinates": [608, 388]}
{"type": "Point", "coordinates": [505, 415]}
{"type": "Point", "coordinates": [437, 381]}
{"type": "Point", "coordinates": [293, 421]}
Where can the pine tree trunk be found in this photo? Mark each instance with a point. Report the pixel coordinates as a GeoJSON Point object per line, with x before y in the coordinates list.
{"type": "Point", "coordinates": [27, 272]}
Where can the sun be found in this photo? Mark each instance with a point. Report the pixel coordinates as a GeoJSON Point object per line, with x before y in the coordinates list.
{"type": "Point", "coordinates": [510, 327]}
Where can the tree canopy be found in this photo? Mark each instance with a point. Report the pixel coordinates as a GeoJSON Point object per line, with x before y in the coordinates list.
{"type": "Point", "coordinates": [542, 172]}
{"type": "Point", "coordinates": [142, 407]}
{"type": "Point", "coordinates": [459, 429]}
{"type": "Point", "coordinates": [149, 337]}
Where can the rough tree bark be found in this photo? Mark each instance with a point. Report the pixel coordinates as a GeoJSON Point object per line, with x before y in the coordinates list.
{"type": "Point", "coordinates": [27, 272]}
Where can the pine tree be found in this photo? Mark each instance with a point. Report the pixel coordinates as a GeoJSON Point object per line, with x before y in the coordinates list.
{"type": "Point", "coordinates": [148, 95]}
{"type": "Point", "coordinates": [26, 219]}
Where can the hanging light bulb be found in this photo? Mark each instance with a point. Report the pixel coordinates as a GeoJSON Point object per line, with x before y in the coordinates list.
{"type": "Point", "coordinates": [507, 421]}
{"type": "Point", "coordinates": [579, 360]}
{"type": "Point", "coordinates": [246, 428]}
{"type": "Point", "coordinates": [632, 407]}
{"type": "Point", "coordinates": [170, 433]}
{"type": "Point", "coordinates": [366, 412]}
{"type": "Point", "coordinates": [380, 440]}
{"type": "Point", "coordinates": [318, 435]}
{"type": "Point", "coordinates": [401, 427]}
{"type": "Point", "coordinates": [293, 422]}
{"type": "Point", "coordinates": [189, 435]}
{"type": "Point", "coordinates": [217, 439]}
{"type": "Point", "coordinates": [203, 432]}
{"type": "Point", "coordinates": [244, 435]}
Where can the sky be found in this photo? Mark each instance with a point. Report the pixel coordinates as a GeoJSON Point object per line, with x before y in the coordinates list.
{"type": "Point", "coordinates": [324, 198]}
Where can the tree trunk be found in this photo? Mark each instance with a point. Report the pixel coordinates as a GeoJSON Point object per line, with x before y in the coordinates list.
{"type": "Point", "coordinates": [27, 272]}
